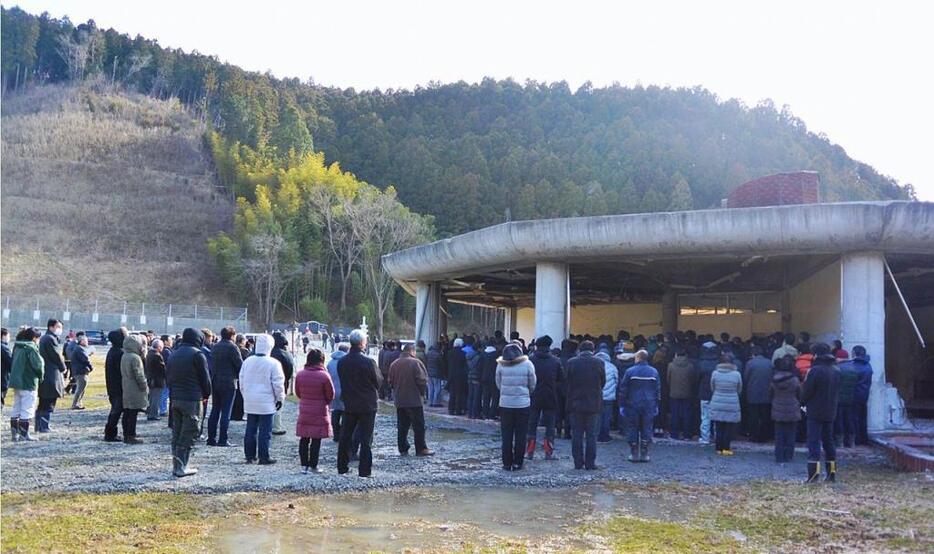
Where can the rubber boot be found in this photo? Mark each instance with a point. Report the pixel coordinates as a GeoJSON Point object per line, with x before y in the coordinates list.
{"type": "Point", "coordinates": [176, 463]}
{"type": "Point", "coordinates": [14, 427]}
{"type": "Point", "coordinates": [44, 422]}
{"type": "Point", "coordinates": [813, 472]}
{"type": "Point", "coordinates": [644, 452]}
{"type": "Point", "coordinates": [24, 431]}
{"type": "Point", "coordinates": [530, 448]}
{"type": "Point", "coordinates": [633, 452]}
{"type": "Point", "coordinates": [549, 449]}
{"type": "Point", "coordinates": [831, 468]}
{"type": "Point", "coordinates": [184, 454]}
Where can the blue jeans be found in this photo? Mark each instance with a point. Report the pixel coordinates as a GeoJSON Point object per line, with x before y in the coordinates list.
{"type": "Point", "coordinates": [261, 425]}
{"type": "Point", "coordinates": [164, 402]}
{"type": "Point", "coordinates": [785, 440]}
{"type": "Point", "coordinates": [473, 401]}
{"type": "Point", "coordinates": [680, 417]}
{"type": "Point", "coordinates": [584, 424]}
{"type": "Point", "coordinates": [845, 424]}
{"type": "Point", "coordinates": [820, 433]}
{"type": "Point", "coordinates": [221, 406]}
{"type": "Point", "coordinates": [547, 421]}
{"type": "Point", "coordinates": [605, 419]}
{"type": "Point", "coordinates": [639, 423]}
{"type": "Point", "coordinates": [435, 386]}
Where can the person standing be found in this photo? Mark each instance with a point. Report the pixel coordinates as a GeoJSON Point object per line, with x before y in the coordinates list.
{"type": "Point", "coordinates": [682, 389]}
{"type": "Point", "coordinates": [337, 404]}
{"type": "Point", "coordinates": [225, 371]}
{"type": "Point", "coordinates": [155, 378]}
{"type": "Point", "coordinates": [281, 353]}
{"type": "Point", "coordinates": [474, 378]}
{"type": "Point", "coordinates": [315, 391]}
{"type": "Point", "coordinates": [52, 386]}
{"type": "Point", "coordinates": [360, 385]}
{"type": "Point", "coordinates": [435, 366]}
{"type": "Point", "coordinates": [489, 394]}
{"type": "Point", "coordinates": [114, 381]}
{"type": "Point", "coordinates": [861, 363]}
{"type": "Point", "coordinates": [707, 364]}
{"type": "Point", "coordinates": [544, 406]}
{"type": "Point", "coordinates": [586, 378]}
{"type": "Point", "coordinates": [262, 383]}
{"type": "Point", "coordinates": [609, 395]}
{"type": "Point", "coordinates": [457, 379]}
{"type": "Point", "coordinates": [786, 407]}
{"type": "Point", "coordinates": [726, 384]}
{"type": "Point", "coordinates": [819, 397]}
{"type": "Point", "coordinates": [80, 368]}
{"type": "Point", "coordinates": [6, 363]}
{"type": "Point", "coordinates": [640, 391]}
{"type": "Point", "coordinates": [189, 381]}
{"type": "Point", "coordinates": [845, 422]}
{"type": "Point", "coordinates": [758, 380]}
{"type": "Point", "coordinates": [409, 381]}
{"type": "Point", "coordinates": [27, 369]}
{"type": "Point", "coordinates": [387, 356]}
{"type": "Point", "coordinates": [236, 411]}
{"type": "Point", "coordinates": [515, 379]}
{"type": "Point", "coordinates": [135, 389]}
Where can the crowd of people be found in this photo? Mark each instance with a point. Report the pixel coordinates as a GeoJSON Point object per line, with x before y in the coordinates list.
{"type": "Point", "coordinates": [682, 385]}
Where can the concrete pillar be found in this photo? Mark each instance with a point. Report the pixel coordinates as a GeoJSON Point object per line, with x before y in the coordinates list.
{"type": "Point", "coordinates": [552, 301]}
{"type": "Point", "coordinates": [669, 312]}
{"type": "Point", "coordinates": [428, 316]}
{"type": "Point", "coordinates": [862, 321]}
{"type": "Point", "coordinates": [510, 317]}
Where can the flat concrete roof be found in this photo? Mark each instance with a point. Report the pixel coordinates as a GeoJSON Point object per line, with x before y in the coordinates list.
{"type": "Point", "coordinates": [897, 227]}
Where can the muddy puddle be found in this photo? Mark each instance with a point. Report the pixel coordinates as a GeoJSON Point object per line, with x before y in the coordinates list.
{"type": "Point", "coordinates": [446, 519]}
{"type": "Point", "coordinates": [455, 434]}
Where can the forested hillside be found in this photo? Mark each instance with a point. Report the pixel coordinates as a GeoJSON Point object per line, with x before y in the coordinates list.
{"type": "Point", "coordinates": [470, 154]}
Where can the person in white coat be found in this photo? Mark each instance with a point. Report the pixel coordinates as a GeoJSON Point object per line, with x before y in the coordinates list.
{"type": "Point", "coordinates": [262, 384]}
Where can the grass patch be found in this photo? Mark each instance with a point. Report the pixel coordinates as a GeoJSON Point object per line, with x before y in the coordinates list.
{"type": "Point", "coordinates": [632, 534]}
{"type": "Point", "coordinates": [149, 522]}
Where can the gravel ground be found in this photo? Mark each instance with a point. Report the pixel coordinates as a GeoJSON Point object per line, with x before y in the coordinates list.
{"type": "Point", "coordinates": [74, 458]}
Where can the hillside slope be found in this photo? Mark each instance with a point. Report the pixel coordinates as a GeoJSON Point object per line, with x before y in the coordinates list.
{"type": "Point", "coordinates": [106, 195]}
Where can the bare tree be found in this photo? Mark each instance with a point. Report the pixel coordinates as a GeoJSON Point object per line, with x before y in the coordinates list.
{"type": "Point", "coordinates": [336, 212]}
{"type": "Point", "coordinates": [138, 62]}
{"type": "Point", "coordinates": [74, 54]}
{"type": "Point", "coordinates": [266, 275]}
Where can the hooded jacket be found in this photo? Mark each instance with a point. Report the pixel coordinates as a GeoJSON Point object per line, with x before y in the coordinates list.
{"type": "Point", "coordinates": [726, 384]}
{"type": "Point", "coordinates": [337, 403]}
{"type": "Point", "coordinates": [360, 381]}
{"type": "Point", "coordinates": [682, 379]}
{"type": "Point", "coordinates": [315, 391]}
{"type": "Point", "coordinates": [186, 372]}
{"type": "Point", "coordinates": [53, 381]}
{"type": "Point", "coordinates": [864, 382]}
{"type": "Point", "coordinates": [155, 369]}
{"type": "Point", "coordinates": [262, 381]}
{"type": "Point", "coordinates": [758, 380]}
{"type": "Point", "coordinates": [488, 377]}
{"type": "Point", "coordinates": [28, 366]}
{"type": "Point", "coordinates": [281, 353]}
{"type": "Point", "coordinates": [611, 384]}
{"type": "Point", "coordinates": [707, 363]}
{"type": "Point", "coordinates": [547, 377]}
{"type": "Point", "coordinates": [821, 390]}
{"type": "Point", "coordinates": [225, 365]}
{"type": "Point", "coordinates": [640, 389]}
{"type": "Point", "coordinates": [515, 380]}
{"type": "Point", "coordinates": [135, 389]}
{"type": "Point", "coordinates": [849, 378]}
{"type": "Point", "coordinates": [435, 364]}
{"type": "Point", "coordinates": [786, 394]}
{"type": "Point", "coordinates": [112, 374]}
{"type": "Point", "coordinates": [585, 376]}
{"type": "Point", "coordinates": [474, 365]}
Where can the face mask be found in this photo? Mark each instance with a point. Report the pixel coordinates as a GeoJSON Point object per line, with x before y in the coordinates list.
{"type": "Point", "coordinates": [57, 331]}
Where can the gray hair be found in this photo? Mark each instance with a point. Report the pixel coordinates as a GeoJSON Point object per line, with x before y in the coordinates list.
{"type": "Point", "coordinates": [343, 346]}
{"type": "Point", "coordinates": [357, 337]}
{"type": "Point", "coordinates": [642, 356]}
{"type": "Point", "coordinates": [156, 343]}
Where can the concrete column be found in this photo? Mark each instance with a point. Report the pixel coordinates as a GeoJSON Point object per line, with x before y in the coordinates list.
{"type": "Point", "coordinates": [510, 317]}
{"type": "Point", "coordinates": [552, 301]}
{"type": "Point", "coordinates": [862, 321]}
{"type": "Point", "coordinates": [428, 314]}
{"type": "Point", "coordinates": [669, 312]}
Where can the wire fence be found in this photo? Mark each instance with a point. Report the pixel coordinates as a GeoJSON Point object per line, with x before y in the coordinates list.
{"type": "Point", "coordinates": [108, 314]}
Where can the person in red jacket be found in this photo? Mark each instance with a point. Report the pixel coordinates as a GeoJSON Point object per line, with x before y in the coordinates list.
{"type": "Point", "coordinates": [315, 391]}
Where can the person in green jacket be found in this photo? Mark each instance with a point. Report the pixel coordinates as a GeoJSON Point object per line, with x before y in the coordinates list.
{"type": "Point", "coordinates": [28, 369]}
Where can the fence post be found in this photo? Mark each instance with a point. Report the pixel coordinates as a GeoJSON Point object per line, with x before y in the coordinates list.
{"type": "Point", "coordinates": [222, 313]}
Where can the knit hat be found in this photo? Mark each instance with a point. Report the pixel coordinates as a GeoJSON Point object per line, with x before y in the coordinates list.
{"type": "Point", "coordinates": [512, 354]}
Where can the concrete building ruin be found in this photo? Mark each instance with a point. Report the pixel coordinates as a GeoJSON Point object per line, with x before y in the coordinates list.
{"type": "Point", "coordinates": [829, 269]}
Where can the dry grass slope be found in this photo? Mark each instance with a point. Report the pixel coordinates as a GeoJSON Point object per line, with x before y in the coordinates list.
{"type": "Point", "coordinates": [106, 194]}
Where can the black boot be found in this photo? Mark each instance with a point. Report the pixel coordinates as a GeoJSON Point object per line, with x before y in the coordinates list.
{"type": "Point", "coordinates": [24, 431]}
{"type": "Point", "coordinates": [831, 468]}
{"type": "Point", "coordinates": [644, 452]}
{"type": "Point", "coordinates": [633, 452]}
{"type": "Point", "coordinates": [813, 472]}
{"type": "Point", "coordinates": [14, 427]}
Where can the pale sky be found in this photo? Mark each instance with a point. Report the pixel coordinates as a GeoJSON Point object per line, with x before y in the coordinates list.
{"type": "Point", "coordinates": [860, 72]}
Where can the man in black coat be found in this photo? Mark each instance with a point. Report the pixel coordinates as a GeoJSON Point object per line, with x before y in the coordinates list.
{"type": "Point", "coordinates": [280, 352]}
{"type": "Point", "coordinates": [225, 369]}
{"type": "Point", "coordinates": [544, 399]}
{"type": "Point", "coordinates": [189, 382]}
{"type": "Point", "coordinates": [819, 397]}
{"type": "Point", "coordinates": [114, 380]}
{"type": "Point", "coordinates": [52, 386]}
{"type": "Point", "coordinates": [457, 379]}
{"type": "Point", "coordinates": [360, 383]}
{"type": "Point", "coordinates": [586, 377]}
